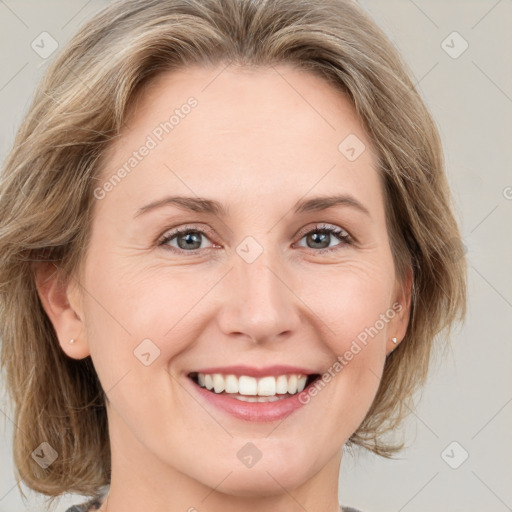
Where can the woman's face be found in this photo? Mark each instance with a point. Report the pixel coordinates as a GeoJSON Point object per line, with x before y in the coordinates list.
{"type": "Point", "coordinates": [252, 287]}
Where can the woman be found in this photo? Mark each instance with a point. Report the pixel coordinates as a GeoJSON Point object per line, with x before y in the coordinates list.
{"type": "Point", "coordinates": [226, 248]}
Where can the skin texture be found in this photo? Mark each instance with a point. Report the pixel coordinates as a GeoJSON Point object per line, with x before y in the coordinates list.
{"type": "Point", "coordinates": [259, 140]}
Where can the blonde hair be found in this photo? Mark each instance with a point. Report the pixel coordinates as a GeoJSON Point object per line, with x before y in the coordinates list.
{"type": "Point", "coordinates": [46, 197]}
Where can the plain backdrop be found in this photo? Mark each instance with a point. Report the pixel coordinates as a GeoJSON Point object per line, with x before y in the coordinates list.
{"type": "Point", "coordinates": [459, 437]}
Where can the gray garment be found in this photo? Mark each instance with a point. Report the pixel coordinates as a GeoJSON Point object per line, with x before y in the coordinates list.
{"type": "Point", "coordinates": [89, 506]}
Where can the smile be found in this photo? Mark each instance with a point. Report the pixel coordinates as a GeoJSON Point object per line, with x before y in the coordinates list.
{"type": "Point", "coordinates": [253, 394]}
{"type": "Point", "coordinates": [251, 389]}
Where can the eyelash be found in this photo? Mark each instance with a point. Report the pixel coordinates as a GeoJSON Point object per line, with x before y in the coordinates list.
{"type": "Point", "coordinates": [341, 234]}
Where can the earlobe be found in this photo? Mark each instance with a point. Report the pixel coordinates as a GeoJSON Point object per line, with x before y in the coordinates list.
{"type": "Point", "coordinates": [64, 314]}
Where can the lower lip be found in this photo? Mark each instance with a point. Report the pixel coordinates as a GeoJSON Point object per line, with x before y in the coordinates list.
{"type": "Point", "coordinates": [252, 411]}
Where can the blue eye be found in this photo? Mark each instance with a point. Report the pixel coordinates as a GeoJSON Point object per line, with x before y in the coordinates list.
{"type": "Point", "coordinates": [319, 235]}
{"type": "Point", "coordinates": [189, 239]}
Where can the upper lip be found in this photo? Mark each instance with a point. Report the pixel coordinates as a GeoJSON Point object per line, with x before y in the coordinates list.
{"type": "Point", "coordinates": [252, 371]}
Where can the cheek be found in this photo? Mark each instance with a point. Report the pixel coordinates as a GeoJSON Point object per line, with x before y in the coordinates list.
{"type": "Point", "coordinates": [353, 302]}
{"type": "Point", "coordinates": [132, 304]}
{"type": "Point", "coordinates": [355, 308]}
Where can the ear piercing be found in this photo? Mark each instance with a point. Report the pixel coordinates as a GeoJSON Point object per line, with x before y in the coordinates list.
{"type": "Point", "coordinates": [72, 340]}
{"type": "Point", "coordinates": [394, 340]}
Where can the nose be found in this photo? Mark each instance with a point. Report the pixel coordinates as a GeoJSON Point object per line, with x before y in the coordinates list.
{"type": "Point", "coordinates": [259, 301]}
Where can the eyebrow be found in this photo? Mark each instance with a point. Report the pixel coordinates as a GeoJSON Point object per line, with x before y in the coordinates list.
{"type": "Point", "coordinates": [203, 205]}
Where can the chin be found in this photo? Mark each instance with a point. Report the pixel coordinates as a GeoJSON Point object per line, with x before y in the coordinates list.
{"type": "Point", "coordinates": [260, 484]}
{"type": "Point", "coordinates": [261, 480]}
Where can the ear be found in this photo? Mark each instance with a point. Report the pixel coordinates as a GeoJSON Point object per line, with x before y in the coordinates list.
{"type": "Point", "coordinates": [402, 308]}
{"type": "Point", "coordinates": [62, 304]}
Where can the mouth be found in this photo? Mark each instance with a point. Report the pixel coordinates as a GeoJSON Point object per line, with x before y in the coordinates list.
{"type": "Point", "coordinates": [248, 388]}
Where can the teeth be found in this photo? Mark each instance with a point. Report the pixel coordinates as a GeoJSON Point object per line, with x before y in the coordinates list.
{"type": "Point", "coordinates": [267, 386]}
{"type": "Point", "coordinates": [218, 383]}
{"type": "Point", "coordinates": [231, 384]}
{"type": "Point", "coordinates": [208, 381]}
{"type": "Point", "coordinates": [247, 385]}
{"type": "Point", "coordinates": [251, 389]}
{"type": "Point", "coordinates": [282, 384]}
{"type": "Point", "coordinates": [292, 384]}
{"type": "Point", "coordinates": [243, 398]}
{"type": "Point", "coordinates": [301, 384]}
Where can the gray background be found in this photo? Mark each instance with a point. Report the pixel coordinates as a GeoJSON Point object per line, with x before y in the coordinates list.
{"type": "Point", "coordinates": [469, 393]}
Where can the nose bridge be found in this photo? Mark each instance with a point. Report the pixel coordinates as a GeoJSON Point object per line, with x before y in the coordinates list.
{"type": "Point", "coordinates": [261, 305]}
{"type": "Point", "coordinates": [260, 284]}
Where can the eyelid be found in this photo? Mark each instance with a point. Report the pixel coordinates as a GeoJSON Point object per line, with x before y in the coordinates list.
{"type": "Point", "coordinates": [184, 227]}
{"type": "Point", "coordinates": [319, 226]}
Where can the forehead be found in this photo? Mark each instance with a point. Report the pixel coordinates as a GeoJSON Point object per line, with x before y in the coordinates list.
{"type": "Point", "coordinates": [259, 131]}
{"type": "Point", "coordinates": [244, 101]}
